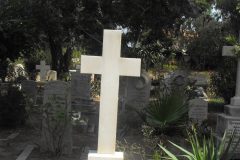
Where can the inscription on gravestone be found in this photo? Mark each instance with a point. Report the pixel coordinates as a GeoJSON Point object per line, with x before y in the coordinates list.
{"type": "Point", "coordinates": [198, 110]}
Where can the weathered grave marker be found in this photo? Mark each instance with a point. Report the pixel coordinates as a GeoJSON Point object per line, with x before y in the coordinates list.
{"type": "Point", "coordinates": [56, 120]}
{"type": "Point", "coordinates": [110, 66]}
{"type": "Point", "coordinates": [43, 70]}
{"type": "Point", "coordinates": [138, 90]}
{"type": "Point", "coordinates": [198, 110]}
{"type": "Point", "coordinates": [51, 75]}
{"type": "Point", "coordinates": [29, 87]}
{"type": "Point", "coordinates": [80, 88]}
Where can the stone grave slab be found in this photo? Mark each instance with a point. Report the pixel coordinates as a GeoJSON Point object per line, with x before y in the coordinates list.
{"type": "Point", "coordinates": [29, 87]}
{"type": "Point", "coordinates": [57, 102]}
{"type": "Point", "coordinates": [198, 110]}
{"type": "Point", "coordinates": [51, 75]}
{"type": "Point", "coordinates": [138, 90]}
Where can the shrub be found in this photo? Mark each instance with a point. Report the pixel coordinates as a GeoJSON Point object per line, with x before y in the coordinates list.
{"type": "Point", "coordinates": [12, 108]}
{"type": "Point", "coordinates": [204, 148]}
{"type": "Point", "coordinates": [223, 81]}
{"type": "Point", "coordinates": [166, 110]}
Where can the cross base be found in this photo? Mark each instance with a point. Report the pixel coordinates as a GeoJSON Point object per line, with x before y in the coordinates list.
{"type": "Point", "coordinates": [93, 155]}
{"type": "Point", "coordinates": [235, 101]}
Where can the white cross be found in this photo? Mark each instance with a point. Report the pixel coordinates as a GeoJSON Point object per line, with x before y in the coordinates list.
{"type": "Point", "coordinates": [43, 70]}
{"type": "Point", "coordinates": [110, 66]}
{"type": "Point", "coordinates": [228, 51]}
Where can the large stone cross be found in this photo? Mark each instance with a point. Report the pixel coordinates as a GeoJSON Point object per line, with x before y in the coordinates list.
{"type": "Point", "coordinates": [110, 66]}
{"type": "Point", "coordinates": [43, 70]}
{"type": "Point", "coordinates": [228, 51]}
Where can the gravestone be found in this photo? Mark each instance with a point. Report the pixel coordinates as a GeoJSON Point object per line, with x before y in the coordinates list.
{"type": "Point", "coordinates": [138, 90]}
{"type": "Point", "coordinates": [177, 78]}
{"type": "Point", "coordinates": [29, 87]}
{"type": "Point", "coordinates": [110, 66]}
{"type": "Point", "coordinates": [200, 79]}
{"type": "Point", "coordinates": [43, 70]}
{"type": "Point", "coordinates": [51, 75]}
{"type": "Point", "coordinates": [80, 90]}
{"type": "Point", "coordinates": [57, 108]}
{"type": "Point", "coordinates": [198, 110]}
{"type": "Point", "coordinates": [82, 104]}
{"type": "Point", "coordinates": [231, 118]}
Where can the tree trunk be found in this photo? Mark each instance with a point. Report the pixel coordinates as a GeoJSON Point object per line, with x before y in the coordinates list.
{"type": "Point", "coordinates": [56, 54]}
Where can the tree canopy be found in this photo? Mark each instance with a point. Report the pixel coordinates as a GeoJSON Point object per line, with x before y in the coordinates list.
{"type": "Point", "coordinates": [150, 26]}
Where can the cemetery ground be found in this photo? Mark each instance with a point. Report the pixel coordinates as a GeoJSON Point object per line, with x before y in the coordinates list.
{"type": "Point", "coordinates": [135, 140]}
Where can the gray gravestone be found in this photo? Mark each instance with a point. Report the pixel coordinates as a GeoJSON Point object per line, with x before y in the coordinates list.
{"type": "Point", "coordinates": [29, 87]}
{"type": "Point", "coordinates": [80, 90]}
{"type": "Point", "coordinates": [57, 108]}
{"type": "Point", "coordinates": [198, 110]}
{"type": "Point", "coordinates": [138, 90]}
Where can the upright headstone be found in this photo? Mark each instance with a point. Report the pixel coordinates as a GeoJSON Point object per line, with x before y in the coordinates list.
{"type": "Point", "coordinates": [57, 128]}
{"type": "Point", "coordinates": [198, 110]}
{"type": "Point", "coordinates": [138, 90]}
{"type": "Point", "coordinates": [230, 120]}
{"type": "Point", "coordinates": [43, 70]}
{"type": "Point", "coordinates": [51, 75]}
{"type": "Point", "coordinates": [110, 66]}
{"type": "Point", "coordinates": [29, 87]}
{"type": "Point", "coordinates": [80, 89]}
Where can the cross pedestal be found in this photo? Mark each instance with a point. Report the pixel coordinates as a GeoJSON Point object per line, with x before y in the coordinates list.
{"type": "Point", "coordinates": [110, 66]}
{"type": "Point", "coordinates": [43, 70]}
{"type": "Point", "coordinates": [230, 120]}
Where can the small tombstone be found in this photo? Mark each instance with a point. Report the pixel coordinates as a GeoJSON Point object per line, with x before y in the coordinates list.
{"type": "Point", "coordinates": [29, 87]}
{"type": "Point", "coordinates": [51, 75]}
{"type": "Point", "coordinates": [57, 108]}
{"type": "Point", "coordinates": [200, 79]}
{"type": "Point", "coordinates": [80, 88]}
{"type": "Point", "coordinates": [138, 90]}
{"type": "Point", "coordinates": [198, 110]}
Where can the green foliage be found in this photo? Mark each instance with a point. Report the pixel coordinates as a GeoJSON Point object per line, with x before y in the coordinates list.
{"type": "Point", "coordinates": [223, 81]}
{"type": "Point", "coordinates": [204, 148]}
{"type": "Point", "coordinates": [35, 58]}
{"type": "Point", "coordinates": [166, 110]}
{"type": "Point", "coordinates": [232, 40]}
{"type": "Point", "coordinates": [205, 49]}
{"type": "Point", "coordinates": [12, 108]}
{"type": "Point", "coordinates": [56, 117]}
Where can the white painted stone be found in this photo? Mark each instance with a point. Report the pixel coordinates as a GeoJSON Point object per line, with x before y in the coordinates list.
{"type": "Point", "coordinates": [43, 70]}
{"type": "Point", "coordinates": [230, 120]}
{"type": "Point", "coordinates": [51, 75]}
{"type": "Point", "coordinates": [110, 66]}
{"type": "Point", "coordinates": [96, 156]}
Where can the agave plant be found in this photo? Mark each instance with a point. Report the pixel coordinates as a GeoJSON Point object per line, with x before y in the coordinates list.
{"type": "Point", "coordinates": [166, 110]}
{"type": "Point", "coordinates": [205, 149]}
